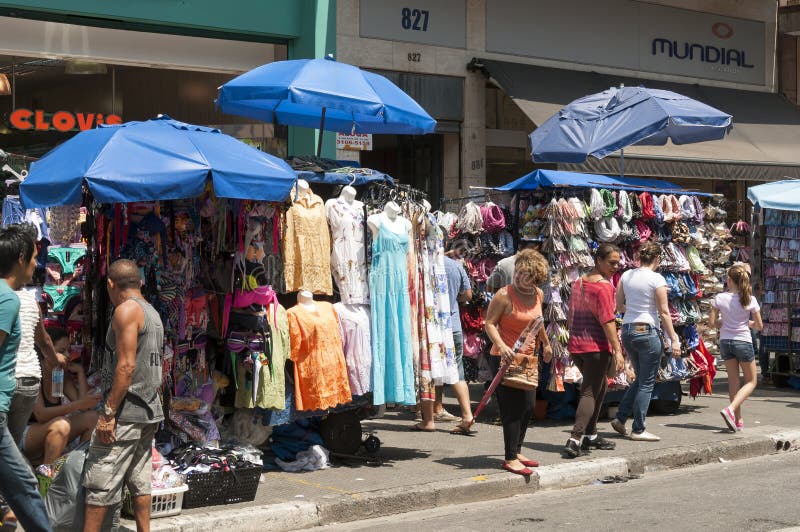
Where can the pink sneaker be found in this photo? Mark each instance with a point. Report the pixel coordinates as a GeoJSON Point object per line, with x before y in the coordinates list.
{"type": "Point", "coordinates": [739, 426]}
{"type": "Point", "coordinates": [729, 417]}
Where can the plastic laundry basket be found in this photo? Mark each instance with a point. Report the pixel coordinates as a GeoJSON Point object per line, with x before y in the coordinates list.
{"type": "Point", "coordinates": [165, 502]}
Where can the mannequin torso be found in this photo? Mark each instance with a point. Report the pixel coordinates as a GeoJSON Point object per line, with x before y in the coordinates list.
{"type": "Point", "coordinates": [306, 300]}
{"type": "Point", "coordinates": [347, 197]}
{"type": "Point", "coordinates": [390, 217]}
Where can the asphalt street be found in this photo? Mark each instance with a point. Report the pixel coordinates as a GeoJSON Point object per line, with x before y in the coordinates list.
{"type": "Point", "coordinates": [753, 495]}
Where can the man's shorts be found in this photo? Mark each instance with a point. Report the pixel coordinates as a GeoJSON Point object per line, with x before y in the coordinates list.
{"type": "Point", "coordinates": [128, 460]}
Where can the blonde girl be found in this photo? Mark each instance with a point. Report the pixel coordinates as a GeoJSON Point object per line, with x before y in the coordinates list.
{"type": "Point", "coordinates": [734, 313]}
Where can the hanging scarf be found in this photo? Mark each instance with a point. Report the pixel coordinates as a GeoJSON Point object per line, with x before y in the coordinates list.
{"type": "Point", "coordinates": [625, 209]}
{"type": "Point", "coordinates": [698, 209]}
{"type": "Point", "coordinates": [597, 208]}
{"type": "Point", "coordinates": [492, 217]}
{"type": "Point", "coordinates": [469, 219]}
{"type": "Point", "coordinates": [644, 230]}
{"type": "Point", "coordinates": [675, 207]}
{"type": "Point", "coordinates": [609, 203]}
{"type": "Point", "coordinates": [607, 229]}
{"type": "Point", "coordinates": [688, 212]}
{"type": "Point", "coordinates": [658, 213]}
{"type": "Point", "coordinates": [648, 212]}
{"type": "Point", "coordinates": [636, 205]}
{"type": "Point", "coordinates": [578, 207]}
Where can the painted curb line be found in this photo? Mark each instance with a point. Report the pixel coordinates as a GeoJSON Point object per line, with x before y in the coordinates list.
{"type": "Point", "coordinates": [289, 516]}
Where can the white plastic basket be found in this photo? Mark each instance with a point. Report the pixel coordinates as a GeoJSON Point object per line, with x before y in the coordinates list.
{"type": "Point", "coordinates": [165, 502]}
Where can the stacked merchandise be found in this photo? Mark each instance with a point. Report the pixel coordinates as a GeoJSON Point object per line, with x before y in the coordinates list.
{"type": "Point", "coordinates": [566, 241]}
{"type": "Point", "coordinates": [781, 272]}
{"type": "Point", "coordinates": [710, 256]}
{"type": "Point", "coordinates": [571, 228]}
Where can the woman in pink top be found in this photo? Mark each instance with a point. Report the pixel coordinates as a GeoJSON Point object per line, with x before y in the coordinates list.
{"type": "Point", "coordinates": [734, 313]}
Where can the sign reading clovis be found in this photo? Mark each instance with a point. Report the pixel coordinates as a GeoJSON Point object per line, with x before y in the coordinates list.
{"type": "Point", "coordinates": [25, 120]}
{"type": "Point", "coordinates": [631, 35]}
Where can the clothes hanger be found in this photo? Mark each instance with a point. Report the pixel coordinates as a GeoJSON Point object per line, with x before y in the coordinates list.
{"type": "Point", "coordinates": [20, 176]}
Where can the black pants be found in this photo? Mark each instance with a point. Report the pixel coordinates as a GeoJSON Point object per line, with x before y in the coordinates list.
{"type": "Point", "coordinates": [593, 392]}
{"type": "Point", "coordinates": [516, 409]}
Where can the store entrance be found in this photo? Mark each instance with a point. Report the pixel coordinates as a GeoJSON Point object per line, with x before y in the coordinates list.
{"type": "Point", "coordinates": [414, 160]}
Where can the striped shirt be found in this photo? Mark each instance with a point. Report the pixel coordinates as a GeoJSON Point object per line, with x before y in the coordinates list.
{"type": "Point", "coordinates": [591, 305]}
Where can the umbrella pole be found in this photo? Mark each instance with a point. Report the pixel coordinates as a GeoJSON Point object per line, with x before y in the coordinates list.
{"type": "Point", "coordinates": [621, 160]}
{"type": "Point", "coordinates": [321, 132]}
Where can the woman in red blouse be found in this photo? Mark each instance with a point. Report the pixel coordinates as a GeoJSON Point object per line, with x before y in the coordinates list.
{"type": "Point", "coordinates": [592, 342]}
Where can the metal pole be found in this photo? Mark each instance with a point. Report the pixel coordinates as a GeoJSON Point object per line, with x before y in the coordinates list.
{"type": "Point", "coordinates": [13, 84]}
{"type": "Point", "coordinates": [113, 89]}
{"type": "Point", "coordinates": [622, 162]}
{"type": "Point", "coordinates": [515, 220]}
{"type": "Point", "coordinates": [321, 132]}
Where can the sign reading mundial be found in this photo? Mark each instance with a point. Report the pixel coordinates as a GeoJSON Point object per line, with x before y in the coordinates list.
{"type": "Point", "coordinates": [631, 35]}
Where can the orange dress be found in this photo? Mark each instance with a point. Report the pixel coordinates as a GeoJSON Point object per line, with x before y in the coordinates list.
{"type": "Point", "coordinates": [320, 369]}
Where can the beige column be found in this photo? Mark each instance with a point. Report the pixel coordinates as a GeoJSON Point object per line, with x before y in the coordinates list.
{"type": "Point", "coordinates": [473, 132]}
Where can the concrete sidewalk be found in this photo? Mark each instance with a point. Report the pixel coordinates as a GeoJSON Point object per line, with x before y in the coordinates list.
{"type": "Point", "coordinates": [425, 470]}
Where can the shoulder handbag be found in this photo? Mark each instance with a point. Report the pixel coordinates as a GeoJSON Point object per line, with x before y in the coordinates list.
{"type": "Point", "coordinates": [523, 372]}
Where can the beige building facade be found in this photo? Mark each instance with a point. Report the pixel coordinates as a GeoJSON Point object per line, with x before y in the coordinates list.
{"type": "Point", "coordinates": [723, 45]}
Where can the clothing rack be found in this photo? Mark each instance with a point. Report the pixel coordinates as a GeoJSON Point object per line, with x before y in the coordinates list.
{"type": "Point", "coordinates": [445, 201]}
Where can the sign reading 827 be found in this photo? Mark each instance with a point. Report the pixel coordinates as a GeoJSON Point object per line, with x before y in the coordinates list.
{"type": "Point", "coordinates": [414, 19]}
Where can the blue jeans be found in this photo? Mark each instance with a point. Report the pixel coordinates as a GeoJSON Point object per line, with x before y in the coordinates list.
{"type": "Point", "coordinates": [737, 349]}
{"type": "Point", "coordinates": [458, 341]}
{"type": "Point", "coordinates": [18, 485]}
{"type": "Point", "coordinates": [643, 346]}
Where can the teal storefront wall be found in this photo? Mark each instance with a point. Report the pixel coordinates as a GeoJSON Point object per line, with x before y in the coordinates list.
{"type": "Point", "coordinates": [307, 27]}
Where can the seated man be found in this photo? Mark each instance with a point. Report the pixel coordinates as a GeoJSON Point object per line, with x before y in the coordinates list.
{"type": "Point", "coordinates": [59, 421]}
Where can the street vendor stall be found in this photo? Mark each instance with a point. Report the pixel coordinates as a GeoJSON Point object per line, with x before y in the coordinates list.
{"type": "Point", "coordinates": [776, 263]}
{"type": "Point", "coordinates": [568, 214]}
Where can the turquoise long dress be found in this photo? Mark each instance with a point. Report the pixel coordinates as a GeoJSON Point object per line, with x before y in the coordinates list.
{"type": "Point", "coordinates": [392, 359]}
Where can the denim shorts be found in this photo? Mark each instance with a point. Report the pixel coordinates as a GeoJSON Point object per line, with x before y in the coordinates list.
{"type": "Point", "coordinates": [737, 349]}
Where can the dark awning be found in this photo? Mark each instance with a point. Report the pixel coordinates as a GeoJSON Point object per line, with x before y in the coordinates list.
{"type": "Point", "coordinates": [761, 147]}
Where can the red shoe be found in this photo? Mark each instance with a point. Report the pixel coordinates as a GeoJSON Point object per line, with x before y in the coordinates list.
{"type": "Point", "coordinates": [529, 463]}
{"type": "Point", "coordinates": [524, 471]}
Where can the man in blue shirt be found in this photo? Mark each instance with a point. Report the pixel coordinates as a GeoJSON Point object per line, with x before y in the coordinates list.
{"type": "Point", "coordinates": [17, 483]}
{"type": "Point", "coordinates": [459, 289]}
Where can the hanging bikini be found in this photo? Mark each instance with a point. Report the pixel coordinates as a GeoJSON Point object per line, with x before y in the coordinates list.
{"type": "Point", "coordinates": [60, 294]}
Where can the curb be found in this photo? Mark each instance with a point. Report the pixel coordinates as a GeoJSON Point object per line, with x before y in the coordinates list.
{"type": "Point", "coordinates": [380, 503]}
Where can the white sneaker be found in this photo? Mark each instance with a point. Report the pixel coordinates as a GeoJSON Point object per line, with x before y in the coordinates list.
{"type": "Point", "coordinates": [644, 436]}
{"type": "Point", "coordinates": [619, 426]}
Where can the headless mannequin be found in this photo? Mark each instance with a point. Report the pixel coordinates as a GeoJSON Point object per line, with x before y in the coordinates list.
{"type": "Point", "coordinates": [348, 195]}
{"type": "Point", "coordinates": [303, 188]}
{"type": "Point", "coordinates": [390, 217]}
{"type": "Point", "coordinates": [306, 299]}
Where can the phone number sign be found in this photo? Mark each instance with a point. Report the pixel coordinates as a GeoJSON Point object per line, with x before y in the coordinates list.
{"type": "Point", "coordinates": [356, 142]}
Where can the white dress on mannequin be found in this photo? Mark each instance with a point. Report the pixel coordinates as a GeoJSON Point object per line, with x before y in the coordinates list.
{"type": "Point", "coordinates": [348, 251]}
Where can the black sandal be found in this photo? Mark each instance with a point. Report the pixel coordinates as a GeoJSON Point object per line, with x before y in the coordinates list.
{"type": "Point", "coordinates": [599, 443]}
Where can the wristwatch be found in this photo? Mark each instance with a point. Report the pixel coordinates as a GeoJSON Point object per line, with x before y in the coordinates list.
{"type": "Point", "coordinates": [108, 411]}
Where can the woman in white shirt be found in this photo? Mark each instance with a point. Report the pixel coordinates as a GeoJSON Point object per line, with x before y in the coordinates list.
{"type": "Point", "coordinates": [642, 296]}
{"type": "Point", "coordinates": [734, 313]}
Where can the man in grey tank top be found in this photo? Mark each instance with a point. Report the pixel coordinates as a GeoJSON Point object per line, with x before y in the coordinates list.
{"type": "Point", "coordinates": [121, 447]}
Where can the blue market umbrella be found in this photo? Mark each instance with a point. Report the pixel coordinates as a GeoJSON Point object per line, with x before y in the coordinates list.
{"type": "Point", "coordinates": [324, 94]}
{"type": "Point", "coordinates": [783, 195]}
{"type": "Point", "coordinates": [614, 119]}
{"type": "Point", "coordinates": [159, 159]}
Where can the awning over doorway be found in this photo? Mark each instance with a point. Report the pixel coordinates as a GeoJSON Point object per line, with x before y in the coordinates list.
{"type": "Point", "coordinates": [761, 147]}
